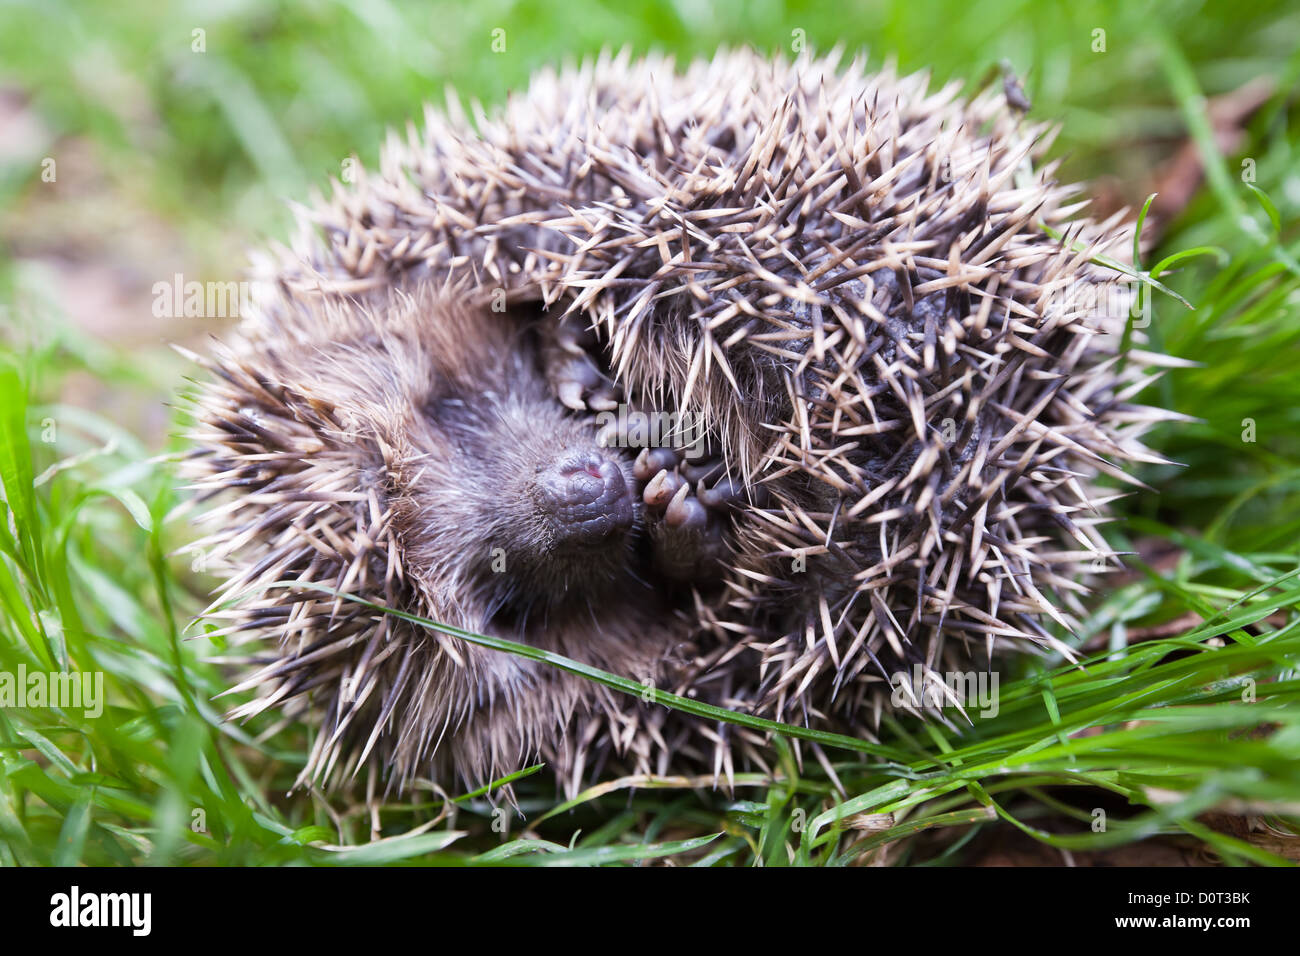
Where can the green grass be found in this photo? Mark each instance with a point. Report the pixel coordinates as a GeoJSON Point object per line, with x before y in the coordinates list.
{"type": "Point", "coordinates": [1165, 736]}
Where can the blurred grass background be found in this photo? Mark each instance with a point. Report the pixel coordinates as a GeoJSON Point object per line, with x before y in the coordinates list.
{"type": "Point", "coordinates": [174, 150]}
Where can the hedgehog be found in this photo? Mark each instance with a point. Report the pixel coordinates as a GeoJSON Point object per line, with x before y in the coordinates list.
{"type": "Point", "coordinates": [763, 382]}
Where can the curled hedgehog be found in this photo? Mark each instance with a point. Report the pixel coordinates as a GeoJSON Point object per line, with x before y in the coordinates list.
{"type": "Point", "coordinates": [888, 363]}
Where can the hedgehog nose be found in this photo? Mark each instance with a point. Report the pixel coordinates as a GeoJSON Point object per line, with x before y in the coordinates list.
{"type": "Point", "coordinates": [587, 498]}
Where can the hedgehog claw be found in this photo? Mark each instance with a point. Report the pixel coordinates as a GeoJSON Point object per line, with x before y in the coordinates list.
{"type": "Point", "coordinates": [572, 371]}
{"type": "Point", "coordinates": [603, 399]}
{"type": "Point", "coordinates": [662, 488]}
{"type": "Point", "coordinates": [704, 470]}
{"type": "Point", "coordinates": [570, 395]}
{"type": "Point", "coordinates": [652, 461]}
{"type": "Point", "coordinates": [574, 337]}
{"type": "Point", "coordinates": [685, 511]}
{"type": "Point", "coordinates": [689, 543]}
{"type": "Point", "coordinates": [725, 493]}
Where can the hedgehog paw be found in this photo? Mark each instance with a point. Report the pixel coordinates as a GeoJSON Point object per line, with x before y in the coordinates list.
{"type": "Point", "coordinates": [572, 371]}
{"type": "Point", "coordinates": [686, 517]}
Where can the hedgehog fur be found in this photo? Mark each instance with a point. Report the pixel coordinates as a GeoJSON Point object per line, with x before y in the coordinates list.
{"type": "Point", "coordinates": [882, 307]}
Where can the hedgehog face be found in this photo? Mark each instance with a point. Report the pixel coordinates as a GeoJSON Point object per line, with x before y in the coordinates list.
{"type": "Point", "coordinates": [521, 489]}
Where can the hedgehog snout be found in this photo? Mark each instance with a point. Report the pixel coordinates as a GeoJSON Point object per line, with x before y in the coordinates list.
{"type": "Point", "coordinates": [587, 499]}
